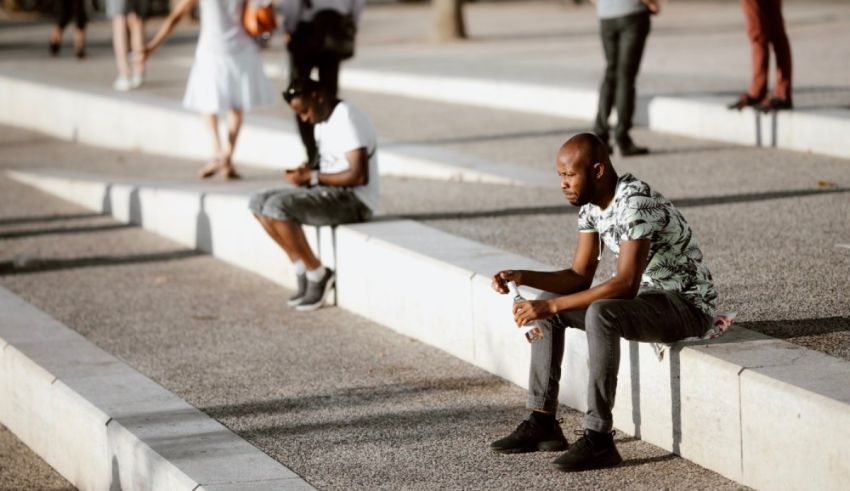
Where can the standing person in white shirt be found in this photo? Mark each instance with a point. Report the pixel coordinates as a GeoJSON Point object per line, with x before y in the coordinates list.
{"type": "Point", "coordinates": [344, 189]}
{"type": "Point", "coordinates": [227, 74]}
{"type": "Point", "coordinates": [304, 24]}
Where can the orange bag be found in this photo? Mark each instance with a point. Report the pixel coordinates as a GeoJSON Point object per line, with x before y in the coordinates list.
{"type": "Point", "coordinates": [259, 20]}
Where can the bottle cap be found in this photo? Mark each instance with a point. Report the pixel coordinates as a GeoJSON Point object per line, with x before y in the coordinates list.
{"type": "Point", "coordinates": [512, 288]}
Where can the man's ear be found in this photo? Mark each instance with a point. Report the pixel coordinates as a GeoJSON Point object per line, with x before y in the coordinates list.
{"type": "Point", "coordinates": [598, 170]}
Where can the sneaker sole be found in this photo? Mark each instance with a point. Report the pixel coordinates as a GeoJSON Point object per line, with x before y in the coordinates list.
{"type": "Point", "coordinates": [292, 302]}
{"type": "Point", "coordinates": [540, 447]}
{"type": "Point", "coordinates": [603, 464]}
{"type": "Point", "coordinates": [317, 305]}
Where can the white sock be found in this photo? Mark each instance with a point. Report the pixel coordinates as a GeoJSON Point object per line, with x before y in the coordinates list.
{"type": "Point", "coordinates": [316, 275]}
{"type": "Point", "coordinates": [299, 267]}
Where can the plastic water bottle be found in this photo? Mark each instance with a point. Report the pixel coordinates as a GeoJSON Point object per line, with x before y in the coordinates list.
{"type": "Point", "coordinates": [531, 331]}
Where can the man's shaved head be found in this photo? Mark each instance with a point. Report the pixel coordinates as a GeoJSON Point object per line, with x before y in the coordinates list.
{"type": "Point", "coordinates": [587, 149]}
{"type": "Point", "coordinates": [585, 169]}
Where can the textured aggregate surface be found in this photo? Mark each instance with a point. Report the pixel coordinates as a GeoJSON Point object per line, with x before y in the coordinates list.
{"type": "Point", "coordinates": [344, 402]}
{"type": "Point", "coordinates": [21, 469]}
{"type": "Point", "coordinates": [347, 403]}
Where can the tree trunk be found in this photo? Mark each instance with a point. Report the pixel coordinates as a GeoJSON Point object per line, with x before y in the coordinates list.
{"type": "Point", "coordinates": [448, 20]}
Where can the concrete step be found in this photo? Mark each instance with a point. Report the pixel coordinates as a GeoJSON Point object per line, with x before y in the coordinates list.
{"type": "Point", "coordinates": [750, 407]}
{"type": "Point", "coordinates": [157, 125]}
{"type": "Point", "coordinates": [703, 116]}
{"type": "Point", "coordinates": [104, 425]}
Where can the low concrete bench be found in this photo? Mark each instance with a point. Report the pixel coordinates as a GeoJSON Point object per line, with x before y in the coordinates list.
{"type": "Point", "coordinates": [704, 116]}
{"type": "Point", "coordinates": [761, 411]}
{"type": "Point", "coordinates": [103, 425]}
{"type": "Point", "coordinates": [156, 125]}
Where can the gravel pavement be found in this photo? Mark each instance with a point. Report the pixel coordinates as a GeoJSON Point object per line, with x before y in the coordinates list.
{"type": "Point", "coordinates": [342, 401]}
{"type": "Point", "coordinates": [349, 404]}
{"type": "Point", "coordinates": [695, 47]}
{"type": "Point", "coordinates": [21, 469]}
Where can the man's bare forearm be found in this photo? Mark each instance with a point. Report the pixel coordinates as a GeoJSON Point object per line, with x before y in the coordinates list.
{"type": "Point", "coordinates": [615, 288]}
{"type": "Point", "coordinates": [562, 282]}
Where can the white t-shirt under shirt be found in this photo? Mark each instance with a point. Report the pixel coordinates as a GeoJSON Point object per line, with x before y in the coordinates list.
{"type": "Point", "coordinates": [348, 128]}
{"type": "Point", "coordinates": [675, 260]}
{"type": "Point", "coordinates": [609, 9]}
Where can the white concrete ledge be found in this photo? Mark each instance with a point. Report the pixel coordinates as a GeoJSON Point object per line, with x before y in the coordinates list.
{"type": "Point", "coordinates": [130, 121]}
{"type": "Point", "coordinates": [761, 411]}
{"type": "Point", "coordinates": [807, 130]}
{"type": "Point", "coordinates": [104, 426]}
{"type": "Point", "coordinates": [815, 131]}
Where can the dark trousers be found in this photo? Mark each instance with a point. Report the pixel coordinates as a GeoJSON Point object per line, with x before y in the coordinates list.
{"type": "Point", "coordinates": [653, 316]}
{"type": "Point", "coordinates": [71, 9]}
{"type": "Point", "coordinates": [328, 67]}
{"type": "Point", "coordinates": [623, 39]}
{"type": "Point", "coordinates": [766, 28]}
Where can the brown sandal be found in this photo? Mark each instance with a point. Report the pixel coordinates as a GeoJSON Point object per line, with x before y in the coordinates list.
{"type": "Point", "coordinates": [230, 173]}
{"type": "Point", "coordinates": [210, 169]}
{"type": "Point", "coordinates": [744, 100]}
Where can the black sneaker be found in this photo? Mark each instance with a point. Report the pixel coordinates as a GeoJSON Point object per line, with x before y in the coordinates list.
{"type": "Point", "coordinates": [594, 450]}
{"type": "Point", "coordinates": [316, 292]}
{"type": "Point", "coordinates": [294, 300]}
{"type": "Point", "coordinates": [531, 436]}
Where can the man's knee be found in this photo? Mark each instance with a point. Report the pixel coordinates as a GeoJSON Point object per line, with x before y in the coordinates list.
{"type": "Point", "coordinates": [255, 203]}
{"type": "Point", "coordinates": [600, 315]}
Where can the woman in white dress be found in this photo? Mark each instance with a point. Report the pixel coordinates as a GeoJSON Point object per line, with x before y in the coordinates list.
{"type": "Point", "coordinates": [227, 74]}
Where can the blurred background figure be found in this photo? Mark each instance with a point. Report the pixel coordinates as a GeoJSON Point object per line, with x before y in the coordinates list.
{"type": "Point", "coordinates": [624, 26]}
{"type": "Point", "coordinates": [766, 28]}
{"type": "Point", "coordinates": [66, 10]}
{"type": "Point", "coordinates": [128, 15]}
{"type": "Point", "coordinates": [227, 74]}
{"type": "Point", "coordinates": [319, 34]}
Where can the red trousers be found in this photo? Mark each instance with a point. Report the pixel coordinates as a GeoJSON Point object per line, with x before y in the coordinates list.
{"type": "Point", "coordinates": [765, 28]}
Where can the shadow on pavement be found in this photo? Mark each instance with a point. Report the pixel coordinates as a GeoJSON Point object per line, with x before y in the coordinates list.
{"type": "Point", "coordinates": [26, 265]}
{"type": "Point", "coordinates": [482, 138]}
{"type": "Point", "coordinates": [648, 460]}
{"type": "Point", "coordinates": [792, 328]}
{"type": "Point", "coordinates": [419, 425]}
{"type": "Point", "coordinates": [47, 218]}
{"type": "Point", "coordinates": [17, 234]}
{"type": "Point", "coordinates": [354, 396]}
{"type": "Point", "coordinates": [566, 209]}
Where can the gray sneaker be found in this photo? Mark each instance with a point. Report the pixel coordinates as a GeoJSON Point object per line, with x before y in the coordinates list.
{"type": "Point", "coordinates": [317, 292]}
{"type": "Point", "coordinates": [294, 300]}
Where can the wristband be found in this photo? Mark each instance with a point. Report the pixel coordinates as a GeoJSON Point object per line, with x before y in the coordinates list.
{"type": "Point", "coordinates": [314, 178]}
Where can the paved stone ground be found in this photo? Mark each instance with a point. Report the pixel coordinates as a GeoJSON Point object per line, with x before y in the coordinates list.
{"type": "Point", "coordinates": [344, 402]}
{"type": "Point", "coordinates": [695, 47]}
{"type": "Point", "coordinates": [770, 222]}
{"type": "Point", "coordinates": [21, 469]}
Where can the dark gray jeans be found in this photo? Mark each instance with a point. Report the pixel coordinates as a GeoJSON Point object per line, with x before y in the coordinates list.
{"type": "Point", "coordinates": [653, 316]}
{"type": "Point", "coordinates": [623, 39]}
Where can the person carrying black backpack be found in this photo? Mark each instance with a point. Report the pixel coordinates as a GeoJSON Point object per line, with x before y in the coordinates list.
{"type": "Point", "coordinates": [319, 35]}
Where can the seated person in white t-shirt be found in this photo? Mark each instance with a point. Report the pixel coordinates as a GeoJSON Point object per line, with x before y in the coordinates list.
{"type": "Point", "coordinates": [345, 188]}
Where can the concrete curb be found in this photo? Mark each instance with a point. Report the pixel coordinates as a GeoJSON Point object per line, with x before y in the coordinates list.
{"type": "Point", "coordinates": [103, 425]}
{"type": "Point", "coordinates": [161, 126]}
{"type": "Point", "coordinates": [806, 130]}
{"type": "Point", "coordinates": [760, 411]}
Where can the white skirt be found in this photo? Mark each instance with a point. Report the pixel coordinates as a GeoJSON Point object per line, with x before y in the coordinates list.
{"type": "Point", "coordinates": [222, 81]}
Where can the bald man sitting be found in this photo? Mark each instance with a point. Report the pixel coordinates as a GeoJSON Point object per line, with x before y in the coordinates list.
{"type": "Point", "coordinates": [662, 292]}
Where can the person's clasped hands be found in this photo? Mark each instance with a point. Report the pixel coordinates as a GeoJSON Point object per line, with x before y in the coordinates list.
{"type": "Point", "coordinates": [299, 176]}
